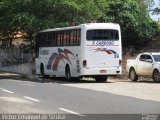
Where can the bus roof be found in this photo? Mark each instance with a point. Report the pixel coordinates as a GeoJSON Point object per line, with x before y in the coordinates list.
{"type": "Point", "coordinates": [87, 25]}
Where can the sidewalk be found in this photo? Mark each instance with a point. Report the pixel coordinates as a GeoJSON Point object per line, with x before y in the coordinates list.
{"type": "Point", "coordinates": [7, 75]}
{"type": "Point", "coordinates": [15, 76]}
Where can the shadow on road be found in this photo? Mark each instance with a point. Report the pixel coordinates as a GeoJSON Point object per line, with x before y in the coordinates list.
{"type": "Point", "coordinates": [146, 81]}
{"type": "Point", "coordinates": [6, 75]}
{"type": "Point", "coordinates": [14, 76]}
{"type": "Point", "coordinates": [142, 80]}
{"type": "Point", "coordinates": [77, 81]}
{"type": "Point", "coordinates": [19, 77]}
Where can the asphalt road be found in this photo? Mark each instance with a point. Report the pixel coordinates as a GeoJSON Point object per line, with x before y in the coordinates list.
{"type": "Point", "coordinates": [19, 96]}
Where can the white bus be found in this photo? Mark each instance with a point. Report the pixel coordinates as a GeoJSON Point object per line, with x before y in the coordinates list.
{"type": "Point", "coordinates": [88, 50]}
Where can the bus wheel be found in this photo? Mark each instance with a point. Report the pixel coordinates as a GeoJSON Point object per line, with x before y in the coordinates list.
{"type": "Point", "coordinates": [43, 72]}
{"type": "Point", "coordinates": [68, 74]}
{"type": "Point", "coordinates": [101, 78]}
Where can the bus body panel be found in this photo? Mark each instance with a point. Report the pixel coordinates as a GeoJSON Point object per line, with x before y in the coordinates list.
{"type": "Point", "coordinates": [102, 60]}
{"type": "Point", "coordinates": [57, 58]}
{"type": "Point", "coordinates": [102, 57]}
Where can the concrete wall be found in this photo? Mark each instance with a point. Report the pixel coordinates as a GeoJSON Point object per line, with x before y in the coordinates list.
{"type": "Point", "coordinates": [25, 69]}
{"type": "Point", "coordinates": [12, 56]}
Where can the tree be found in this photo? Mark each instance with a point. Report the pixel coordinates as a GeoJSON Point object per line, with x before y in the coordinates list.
{"type": "Point", "coordinates": [148, 3]}
{"type": "Point", "coordinates": [134, 19]}
{"type": "Point", "coordinates": [31, 16]}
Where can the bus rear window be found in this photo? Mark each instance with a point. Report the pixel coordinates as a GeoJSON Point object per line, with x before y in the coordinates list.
{"type": "Point", "coordinates": [102, 34]}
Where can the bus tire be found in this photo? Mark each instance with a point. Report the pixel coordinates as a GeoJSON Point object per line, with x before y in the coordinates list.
{"type": "Point", "coordinates": [101, 78]}
{"type": "Point", "coordinates": [43, 72]}
{"type": "Point", "coordinates": [68, 73]}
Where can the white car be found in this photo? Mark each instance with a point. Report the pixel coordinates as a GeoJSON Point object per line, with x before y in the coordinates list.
{"type": "Point", "coordinates": [146, 64]}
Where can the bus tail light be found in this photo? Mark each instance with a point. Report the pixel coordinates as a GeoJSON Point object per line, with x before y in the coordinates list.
{"type": "Point", "coordinates": [84, 63]}
{"type": "Point", "coordinates": [120, 62]}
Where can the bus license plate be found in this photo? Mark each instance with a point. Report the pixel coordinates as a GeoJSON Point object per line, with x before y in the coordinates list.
{"type": "Point", "coordinates": [103, 71]}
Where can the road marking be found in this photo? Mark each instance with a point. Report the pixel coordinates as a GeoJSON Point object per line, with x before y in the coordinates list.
{"type": "Point", "coordinates": [27, 85]}
{"type": "Point", "coordinates": [6, 90]}
{"type": "Point", "coordinates": [69, 111]}
{"type": "Point", "coordinates": [31, 99]}
{"type": "Point", "coordinates": [14, 100]}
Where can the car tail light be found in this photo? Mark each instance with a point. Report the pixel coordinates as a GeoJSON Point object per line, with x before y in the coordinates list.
{"type": "Point", "coordinates": [84, 63]}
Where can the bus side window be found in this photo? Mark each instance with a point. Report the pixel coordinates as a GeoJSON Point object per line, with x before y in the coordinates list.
{"type": "Point", "coordinates": [71, 37]}
{"type": "Point", "coordinates": [64, 38]}
{"type": "Point", "coordinates": [57, 39]}
{"type": "Point", "coordinates": [42, 39]}
{"type": "Point", "coordinates": [46, 40]}
{"type": "Point", "coordinates": [78, 37]}
{"type": "Point", "coordinates": [50, 39]}
{"type": "Point", "coordinates": [53, 39]}
{"type": "Point", "coordinates": [60, 38]}
{"type": "Point", "coordinates": [74, 37]}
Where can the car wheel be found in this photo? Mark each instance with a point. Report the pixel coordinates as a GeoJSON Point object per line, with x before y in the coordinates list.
{"type": "Point", "coordinates": [132, 75]}
{"type": "Point", "coordinates": [156, 76]}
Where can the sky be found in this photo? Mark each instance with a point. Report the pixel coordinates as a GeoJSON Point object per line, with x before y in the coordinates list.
{"type": "Point", "coordinates": [157, 4]}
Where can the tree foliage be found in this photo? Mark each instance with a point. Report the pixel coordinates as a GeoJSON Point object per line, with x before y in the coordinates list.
{"type": "Point", "coordinates": [134, 19]}
{"type": "Point", "coordinates": [31, 16]}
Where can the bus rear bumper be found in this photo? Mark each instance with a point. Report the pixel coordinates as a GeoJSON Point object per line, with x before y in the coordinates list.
{"type": "Point", "coordinates": [102, 71]}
